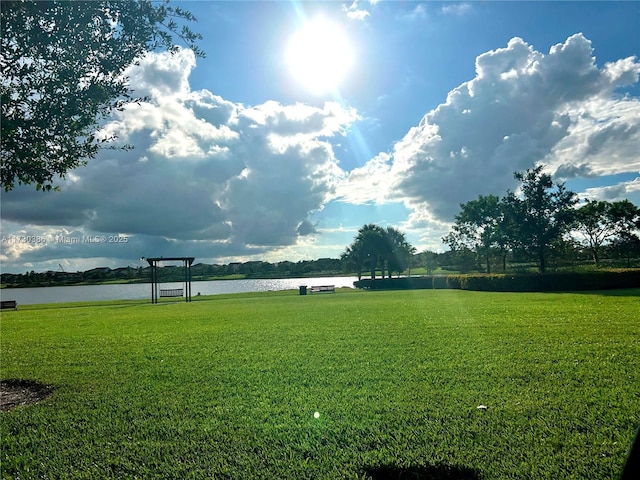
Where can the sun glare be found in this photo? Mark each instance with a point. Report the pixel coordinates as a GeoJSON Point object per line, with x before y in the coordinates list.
{"type": "Point", "coordinates": [319, 55]}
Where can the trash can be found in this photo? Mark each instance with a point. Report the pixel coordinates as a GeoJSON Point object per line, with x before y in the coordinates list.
{"type": "Point", "coordinates": [303, 289]}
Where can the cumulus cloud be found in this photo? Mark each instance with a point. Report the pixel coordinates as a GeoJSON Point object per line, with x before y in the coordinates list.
{"type": "Point", "coordinates": [205, 174]}
{"type": "Point", "coordinates": [604, 139]}
{"type": "Point", "coordinates": [523, 107]}
{"type": "Point", "coordinates": [354, 11]}
{"type": "Point", "coordinates": [369, 183]}
{"type": "Point", "coordinates": [624, 190]}
{"type": "Point", "coordinates": [170, 76]}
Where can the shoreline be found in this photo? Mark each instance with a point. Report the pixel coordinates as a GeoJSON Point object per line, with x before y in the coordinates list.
{"type": "Point", "coordinates": [138, 281]}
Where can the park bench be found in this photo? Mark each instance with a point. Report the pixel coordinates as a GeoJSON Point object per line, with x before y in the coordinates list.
{"type": "Point", "coordinates": [171, 292]}
{"type": "Point", "coordinates": [6, 304]}
{"type": "Point", "coordinates": [323, 289]}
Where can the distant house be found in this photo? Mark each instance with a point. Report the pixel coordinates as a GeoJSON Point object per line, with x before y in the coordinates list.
{"type": "Point", "coordinates": [97, 273]}
{"type": "Point", "coordinates": [123, 272]}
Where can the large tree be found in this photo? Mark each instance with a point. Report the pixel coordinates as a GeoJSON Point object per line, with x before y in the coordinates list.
{"type": "Point", "coordinates": [371, 245]}
{"type": "Point", "coordinates": [429, 260]}
{"type": "Point", "coordinates": [376, 247]}
{"type": "Point", "coordinates": [479, 227]}
{"type": "Point", "coordinates": [398, 251]}
{"type": "Point", "coordinates": [63, 66]}
{"type": "Point", "coordinates": [601, 222]}
{"type": "Point", "coordinates": [542, 213]}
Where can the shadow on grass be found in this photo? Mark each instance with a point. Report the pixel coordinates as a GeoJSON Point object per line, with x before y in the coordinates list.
{"type": "Point", "coordinates": [434, 472]}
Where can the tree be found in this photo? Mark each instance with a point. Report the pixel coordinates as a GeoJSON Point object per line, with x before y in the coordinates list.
{"type": "Point", "coordinates": [600, 222]}
{"type": "Point", "coordinates": [429, 260]}
{"type": "Point", "coordinates": [375, 246]}
{"type": "Point", "coordinates": [541, 215]}
{"type": "Point", "coordinates": [63, 69]}
{"type": "Point", "coordinates": [461, 259]}
{"type": "Point", "coordinates": [627, 218]}
{"type": "Point", "coordinates": [398, 251]}
{"type": "Point", "coordinates": [352, 260]}
{"type": "Point", "coordinates": [626, 245]}
{"type": "Point", "coordinates": [479, 228]}
{"type": "Point", "coordinates": [371, 244]}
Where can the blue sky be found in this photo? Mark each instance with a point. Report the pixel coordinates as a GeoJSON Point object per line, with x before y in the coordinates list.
{"type": "Point", "coordinates": [238, 158]}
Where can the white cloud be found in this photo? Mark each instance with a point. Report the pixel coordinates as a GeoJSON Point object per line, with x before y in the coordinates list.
{"type": "Point", "coordinates": [368, 183]}
{"type": "Point", "coordinates": [522, 107]}
{"type": "Point", "coordinates": [419, 12]}
{"type": "Point", "coordinates": [456, 8]}
{"type": "Point", "coordinates": [206, 174]}
{"type": "Point", "coordinates": [427, 228]}
{"type": "Point", "coordinates": [162, 75]}
{"type": "Point", "coordinates": [299, 119]}
{"type": "Point", "coordinates": [604, 139]}
{"type": "Point", "coordinates": [621, 191]}
{"type": "Point", "coordinates": [355, 12]}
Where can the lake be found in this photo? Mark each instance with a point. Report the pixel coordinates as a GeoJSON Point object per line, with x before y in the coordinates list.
{"type": "Point", "coordinates": [90, 293]}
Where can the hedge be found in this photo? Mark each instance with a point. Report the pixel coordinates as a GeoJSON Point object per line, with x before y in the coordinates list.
{"type": "Point", "coordinates": [548, 282]}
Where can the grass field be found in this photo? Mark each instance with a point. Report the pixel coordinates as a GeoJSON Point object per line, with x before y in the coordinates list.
{"type": "Point", "coordinates": [228, 386]}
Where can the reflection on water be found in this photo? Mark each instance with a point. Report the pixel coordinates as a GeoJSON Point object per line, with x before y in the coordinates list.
{"type": "Point", "coordinates": [89, 293]}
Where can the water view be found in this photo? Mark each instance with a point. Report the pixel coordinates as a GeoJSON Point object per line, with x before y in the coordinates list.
{"type": "Point", "coordinates": [89, 293]}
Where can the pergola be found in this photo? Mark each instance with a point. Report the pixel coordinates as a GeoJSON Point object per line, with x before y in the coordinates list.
{"type": "Point", "coordinates": [153, 263]}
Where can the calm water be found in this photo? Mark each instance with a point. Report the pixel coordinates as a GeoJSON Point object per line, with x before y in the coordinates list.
{"type": "Point", "coordinates": [89, 293]}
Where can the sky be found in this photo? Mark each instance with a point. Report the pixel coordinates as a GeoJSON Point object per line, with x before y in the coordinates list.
{"type": "Point", "coordinates": [306, 121]}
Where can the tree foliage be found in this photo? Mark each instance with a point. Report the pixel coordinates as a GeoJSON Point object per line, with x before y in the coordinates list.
{"type": "Point", "coordinates": [542, 213]}
{"type": "Point", "coordinates": [601, 222]}
{"type": "Point", "coordinates": [626, 245]}
{"type": "Point", "coordinates": [370, 244]}
{"type": "Point", "coordinates": [375, 247]}
{"type": "Point", "coordinates": [531, 222]}
{"type": "Point", "coordinates": [398, 250]}
{"type": "Point", "coordinates": [539, 221]}
{"type": "Point", "coordinates": [479, 227]}
{"type": "Point", "coordinates": [63, 69]}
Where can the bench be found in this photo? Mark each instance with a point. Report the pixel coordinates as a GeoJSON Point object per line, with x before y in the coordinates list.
{"type": "Point", "coordinates": [171, 292]}
{"type": "Point", "coordinates": [6, 304]}
{"type": "Point", "coordinates": [323, 289]}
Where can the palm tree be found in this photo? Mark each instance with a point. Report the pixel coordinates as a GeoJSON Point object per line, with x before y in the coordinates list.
{"type": "Point", "coordinates": [353, 260]}
{"type": "Point", "coordinates": [399, 251]}
{"type": "Point", "coordinates": [365, 250]}
{"type": "Point", "coordinates": [370, 241]}
{"type": "Point", "coordinates": [376, 247]}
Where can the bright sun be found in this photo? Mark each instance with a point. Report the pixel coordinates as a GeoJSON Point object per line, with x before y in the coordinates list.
{"type": "Point", "coordinates": [319, 55]}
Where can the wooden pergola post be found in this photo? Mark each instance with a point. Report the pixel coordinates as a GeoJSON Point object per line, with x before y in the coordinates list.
{"type": "Point", "coordinates": [153, 263]}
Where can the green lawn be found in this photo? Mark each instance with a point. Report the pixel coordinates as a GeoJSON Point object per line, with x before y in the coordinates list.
{"type": "Point", "coordinates": [227, 386]}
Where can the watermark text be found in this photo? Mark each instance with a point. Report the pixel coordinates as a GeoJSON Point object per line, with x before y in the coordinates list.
{"type": "Point", "coordinates": [37, 240]}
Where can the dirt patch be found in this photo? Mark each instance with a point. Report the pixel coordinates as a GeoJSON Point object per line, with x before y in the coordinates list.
{"type": "Point", "coordinates": [16, 393]}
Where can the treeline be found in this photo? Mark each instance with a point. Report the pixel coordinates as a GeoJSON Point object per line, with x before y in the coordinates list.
{"type": "Point", "coordinates": [571, 258]}
{"type": "Point", "coordinates": [173, 273]}
{"type": "Point", "coordinates": [543, 223]}
{"type": "Point", "coordinates": [543, 226]}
